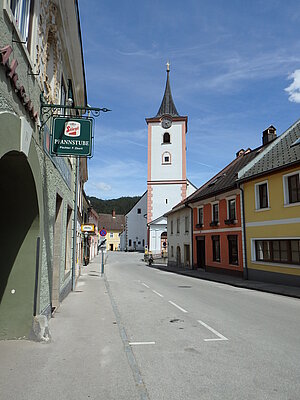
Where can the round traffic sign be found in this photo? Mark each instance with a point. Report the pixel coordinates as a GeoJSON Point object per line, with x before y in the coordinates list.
{"type": "Point", "coordinates": [103, 232]}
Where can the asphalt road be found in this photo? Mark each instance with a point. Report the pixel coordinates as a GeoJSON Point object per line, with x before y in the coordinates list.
{"type": "Point", "coordinates": [192, 339]}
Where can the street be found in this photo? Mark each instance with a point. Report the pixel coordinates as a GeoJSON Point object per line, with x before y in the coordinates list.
{"type": "Point", "coordinates": [143, 333]}
{"type": "Point", "coordinates": [201, 340]}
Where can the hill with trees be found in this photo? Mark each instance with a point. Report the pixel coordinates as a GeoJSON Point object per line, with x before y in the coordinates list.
{"type": "Point", "coordinates": [121, 205]}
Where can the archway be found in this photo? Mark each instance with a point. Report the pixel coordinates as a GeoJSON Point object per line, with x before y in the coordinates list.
{"type": "Point", "coordinates": [18, 243]}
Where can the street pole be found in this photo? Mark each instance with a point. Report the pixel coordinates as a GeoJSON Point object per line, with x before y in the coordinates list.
{"type": "Point", "coordinates": [102, 262]}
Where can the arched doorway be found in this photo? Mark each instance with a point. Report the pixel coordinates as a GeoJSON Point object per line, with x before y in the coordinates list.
{"type": "Point", "coordinates": [164, 242]}
{"type": "Point", "coordinates": [18, 244]}
{"type": "Point", "coordinates": [178, 256]}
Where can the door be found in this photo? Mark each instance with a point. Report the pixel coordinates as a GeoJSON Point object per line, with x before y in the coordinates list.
{"type": "Point", "coordinates": [201, 252]}
{"type": "Point", "coordinates": [111, 247]}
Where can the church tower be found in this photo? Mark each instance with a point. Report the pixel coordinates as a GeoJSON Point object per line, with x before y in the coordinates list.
{"type": "Point", "coordinates": [166, 182]}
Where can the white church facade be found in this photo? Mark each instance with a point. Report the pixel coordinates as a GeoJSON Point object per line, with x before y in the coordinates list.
{"type": "Point", "coordinates": [167, 183]}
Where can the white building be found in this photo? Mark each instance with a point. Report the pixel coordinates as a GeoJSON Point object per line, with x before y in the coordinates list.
{"type": "Point", "coordinates": [134, 238]}
{"type": "Point", "coordinates": [167, 184]}
{"type": "Point", "coordinates": [180, 236]}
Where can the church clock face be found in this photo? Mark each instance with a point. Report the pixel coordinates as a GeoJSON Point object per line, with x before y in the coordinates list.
{"type": "Point", "coordinates": [166, 123]}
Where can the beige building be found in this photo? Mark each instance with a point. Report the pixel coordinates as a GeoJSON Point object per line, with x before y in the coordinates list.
{"type": "Point", "coordinates": [114, 225]}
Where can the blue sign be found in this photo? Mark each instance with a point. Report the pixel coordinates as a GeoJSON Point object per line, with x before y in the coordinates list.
{"type": "Point", "coordinates": [103, 232]}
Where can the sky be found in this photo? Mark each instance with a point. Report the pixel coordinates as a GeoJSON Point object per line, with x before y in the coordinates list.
{"type": "Point", "coordinates": [234, 71]}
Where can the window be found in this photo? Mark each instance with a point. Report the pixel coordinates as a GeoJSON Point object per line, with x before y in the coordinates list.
{"type": "Point", "coordinates": [200, 216]}
{"type": "Point", "coordinates": [216, 248]}
{"type": "Point", "coordinates": [178, 225]}
{"type": "Point", "coordinates": [233, 249]}
{"type": "Point", "coordinates": [294, 188]}
{"type": "Point", "coordinates": [283, 251]}
{"type": "Point", "coordinates": [143, 242]}
{"type": "Point", "coordinates": [172, 227]}
{"type": "Point", "coordinates": [231, 209]}
{"type": "Point", "coordinates": [172, 251]}
{"type": "Point", "coordinates": [166, 158]}
{"type": "Point", "coordinates": [111, 234]}
{"type": "Point", "coordinates": [21, 11]}
{"type": "Point", "coordinates": [139, 210]}
{"type": "Point", "coordinates": [261, 195]}
{"type": "Point", "coordinates": [129, 242]}
{"type": "Point", "coordinates": [166, 138]}
{"type": "Point", "coordinates": [215, 209]}
{"type": "Point", "coordinates": [186, 224]}
{"type": "Point", "coordinates": [166, 201]}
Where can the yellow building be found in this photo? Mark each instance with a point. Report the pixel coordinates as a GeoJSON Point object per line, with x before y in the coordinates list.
{"type": "Point", "coordinates": [114, 225]}
{"type": "Point", "coordinates": [270, 186]}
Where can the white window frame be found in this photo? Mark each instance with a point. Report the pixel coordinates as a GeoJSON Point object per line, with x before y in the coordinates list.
{"type": "Point", "coordinates": [286, 189]}
{"type": "Point", "coordinates": [166, 153]}
{"type": "Point", "coordinates": [227, 200]}
{"type": "Point", "coordinates": [186, 224]}
{"type": "Point", "coordinates": [256, 190]}
{"type": "Point", "coordinates": [198, 220]}
{"type": "Point", "coordinates": [111, 235]}
{"type": "Point", "coordinates": [212, 211]}
{"type": "Point", "coordinates": [253, 251]}
{"type": "Point", "coordinates": [11, 17]}
{"type": "Point", "coordinates": [178, 226]}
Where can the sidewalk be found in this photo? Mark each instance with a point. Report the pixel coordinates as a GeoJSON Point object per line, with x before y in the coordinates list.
{"type": "Point", "coordinates": [85, 358]}
{"type": "Point", "coordinates": [284, 290]}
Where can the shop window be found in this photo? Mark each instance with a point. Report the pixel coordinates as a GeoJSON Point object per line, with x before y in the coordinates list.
{"type": "Point", "coordinates": [233, 249]}
{"type": "Point", "coordinates": [283, 251]}
{"type": "Point", "coordinates": [216, 248]}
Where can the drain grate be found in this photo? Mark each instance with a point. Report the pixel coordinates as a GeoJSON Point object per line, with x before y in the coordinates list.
{"type": "Point", "coordinates": [184, 287]}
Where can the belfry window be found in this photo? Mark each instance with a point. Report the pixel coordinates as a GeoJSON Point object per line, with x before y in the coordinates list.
{"type": "Point", "coordinates": [166, 138]}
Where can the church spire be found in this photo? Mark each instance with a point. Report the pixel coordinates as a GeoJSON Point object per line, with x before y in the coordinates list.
{"type": "Point", "coordinates": [167, 104]}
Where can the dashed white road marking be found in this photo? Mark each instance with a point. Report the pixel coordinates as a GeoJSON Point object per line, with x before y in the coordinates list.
{"type": "Point", "coordinates": [176, 305]}
{"type": "Point", "coordinates": [158, 294]}
{"type": "Point", "coordinates": [220, 336]}
{"type": "Point", "coordinates": [144, 284]}
{"type": "Point", "coordinates": [139, 343]}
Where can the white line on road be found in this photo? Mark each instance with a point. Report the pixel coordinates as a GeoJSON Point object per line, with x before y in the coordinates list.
{"type": "Point", "coordinates": [158, 294]}
{"type": "Point", "coordinates": [146, 285]}
{"type": "Point", "coordinates": [175, 305]}
{"type": "Point", "coordinates": [220, 336]}
{"type": "Point", "coordinates": [138, 343]}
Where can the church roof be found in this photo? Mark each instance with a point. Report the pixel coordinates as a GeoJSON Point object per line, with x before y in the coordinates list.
{"type": "Point", "coordinates": [167, 104]}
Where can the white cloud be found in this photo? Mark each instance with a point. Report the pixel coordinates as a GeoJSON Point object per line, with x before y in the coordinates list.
{"type": "Point", "coordinates": [294, 89]}
{"type": "Point", "coordinates": [105, 187]}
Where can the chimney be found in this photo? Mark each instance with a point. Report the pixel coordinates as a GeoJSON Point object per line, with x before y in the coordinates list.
{"type": "Point", "coordinates": [240, 153]}
{"type": "Point", "coordinates": [269, 135]}
{"type": "Point", "coordinates": [113, 213]}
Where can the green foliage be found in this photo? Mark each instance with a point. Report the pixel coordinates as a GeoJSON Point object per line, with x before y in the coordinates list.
{"type": "Point", "coordinates": [121, 205]}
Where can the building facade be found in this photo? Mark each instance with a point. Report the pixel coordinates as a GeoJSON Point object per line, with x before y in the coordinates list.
{"type": "Point", "coordinates": [40, 53]}
{"type": "Point", "coordinates": [180, 229]}
{"type": "Point", "coordinates": [114, 225]}
{"type": "Point", "coordinates": [135, 233]}
{"type": "Point", "coordinates": [271, 190]}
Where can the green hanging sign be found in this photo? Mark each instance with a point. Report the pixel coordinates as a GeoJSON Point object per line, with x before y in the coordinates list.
{"type": "Point", "coordinates": [72, 137]}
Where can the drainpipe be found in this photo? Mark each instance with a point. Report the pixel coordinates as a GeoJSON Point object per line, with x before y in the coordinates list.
{"type": "Point", "coordinates": [75, 223]}
{"type": "Point", "coordinates": [244, 243]}
{"type": "Point", "coordinates": [192, 234]}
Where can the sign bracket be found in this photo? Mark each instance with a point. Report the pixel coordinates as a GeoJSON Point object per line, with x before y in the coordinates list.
{"type": "Point", "coordinates": [49, 110]}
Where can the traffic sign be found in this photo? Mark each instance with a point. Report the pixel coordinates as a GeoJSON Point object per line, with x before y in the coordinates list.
{"type": "Point", "coordinates": [103, 232]}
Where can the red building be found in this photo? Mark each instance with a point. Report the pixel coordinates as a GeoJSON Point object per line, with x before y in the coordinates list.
{"type": "Point", "coordinates": [217, 222]}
